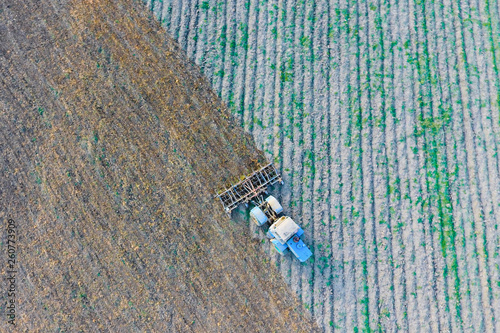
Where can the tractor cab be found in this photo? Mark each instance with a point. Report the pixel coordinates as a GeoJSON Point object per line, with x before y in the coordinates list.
{"type": "Point", "coordinates": [283, 229]}
{"type": "Point", "coordinates": [285, 235]}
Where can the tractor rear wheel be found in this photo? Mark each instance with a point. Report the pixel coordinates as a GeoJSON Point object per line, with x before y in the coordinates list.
{"type": "Point", "coordinates": [274, 204]}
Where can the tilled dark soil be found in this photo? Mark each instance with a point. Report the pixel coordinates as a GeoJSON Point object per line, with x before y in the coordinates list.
{"type": "Point", "coordinates": [112, 146]}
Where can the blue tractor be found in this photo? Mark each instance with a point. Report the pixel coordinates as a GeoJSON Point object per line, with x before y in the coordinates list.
{"type": "Point", "coordinates": [267, 212]}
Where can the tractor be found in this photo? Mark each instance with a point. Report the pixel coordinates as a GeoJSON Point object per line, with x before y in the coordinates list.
{"type": "Point", "coordinates": [267, 212]}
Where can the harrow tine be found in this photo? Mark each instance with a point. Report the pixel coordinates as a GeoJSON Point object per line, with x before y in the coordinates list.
{"type": "Point", "coordinates": [249, 187]}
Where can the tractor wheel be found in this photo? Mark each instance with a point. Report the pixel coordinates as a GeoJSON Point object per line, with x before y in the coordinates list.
{"type": "Point", "coordinates": [274, 204]}
{"type": "Point", "coordinates": [258, 216]}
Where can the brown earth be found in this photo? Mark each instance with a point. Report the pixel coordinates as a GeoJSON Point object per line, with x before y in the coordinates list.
{"type": "Point", "coordinates": [112, 148]}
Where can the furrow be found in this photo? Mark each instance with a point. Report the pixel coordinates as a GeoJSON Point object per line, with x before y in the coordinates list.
{"type": "Point", "coordinates": [363, 115]}
{"type": "Point", "coordinates": [429, 171]}
{"type": "Point", "coordinates": [230, 56]}
{"type": "Point", "coordinates": [166, 14]}
{"type": "Point", "coordinates": [220, 46]}
{"type": "Point", "coordinates": [472, 282]}
{"type": "Point", "coordinates": [157, 8]}
{"type": "Point", "coordinates": [192, 33]}
{"type": "Point", "coordinates": [258, 72]}
{"type": "Point", "coordinates": [495, 10]}
{"type": "Point", "coordinates": [492, 23]}
{"type": "Point", "coordinates": [404, 218]}
{"type": "Point", "coordinates": [249, 117]}
{"type": "Point", "coordinates": [278, 31]}
{"type": "Point", "coordinates": [184, 24]}
{"type": "Point", "coordinates": [209, 51]}
{"type": "Point", "coordinates": [338, 274]}
{"type": "Point", "coordinates": [434, 125]}
{"type": "Point", "coordinates": [280, 35]}
{"type": "Point", "coordinates": [454, 239]}
{"type": "Point", "coordinates": [267, 86]}
{"type": "Point", "coordinates": [491, 116]}
{"type": "Point", "coordinates": [175, 19]}
{"type": "Point", "coordinates": [320, 139]}
{"type": "Point", "coordinates": [448, 201]}
{"type": "Point", "coordinates": [262, 114]}
{"type": "Point", "coordinates": [296, 107]}
{"type": "Point", "coordinates": [241, 47]}
{"type": "Point", "coordinates": [486, 145]}
{"type": "Point", "coordinates": [326, 195]}
{"type": "Point", "coordinates": [286, 76]}
{"type": "Point", "coordinates": [356, 150]}
{"type": "Point", "coordinates": [377, 220]}
{"type": "Point", "coordinates": [250, 65]}
{"type": "Point", "coordinates": [260, 111]}
{"type": "Point", "coordinates": [425, 276]}
{"type": "Point", "coordinates": [472, 163]}
{"type": "Point", "coordinates": [201, 36]}
{"type": "Point", "coordinates": [309, 118]}
{"type": "Point", "coordinates": [350, 277]}
{"type": "Point", "coordinates": [399, 298]}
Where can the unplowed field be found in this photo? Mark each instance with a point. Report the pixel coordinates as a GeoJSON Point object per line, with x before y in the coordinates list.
{"type": "Point", "coordinates": [383, 117]}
